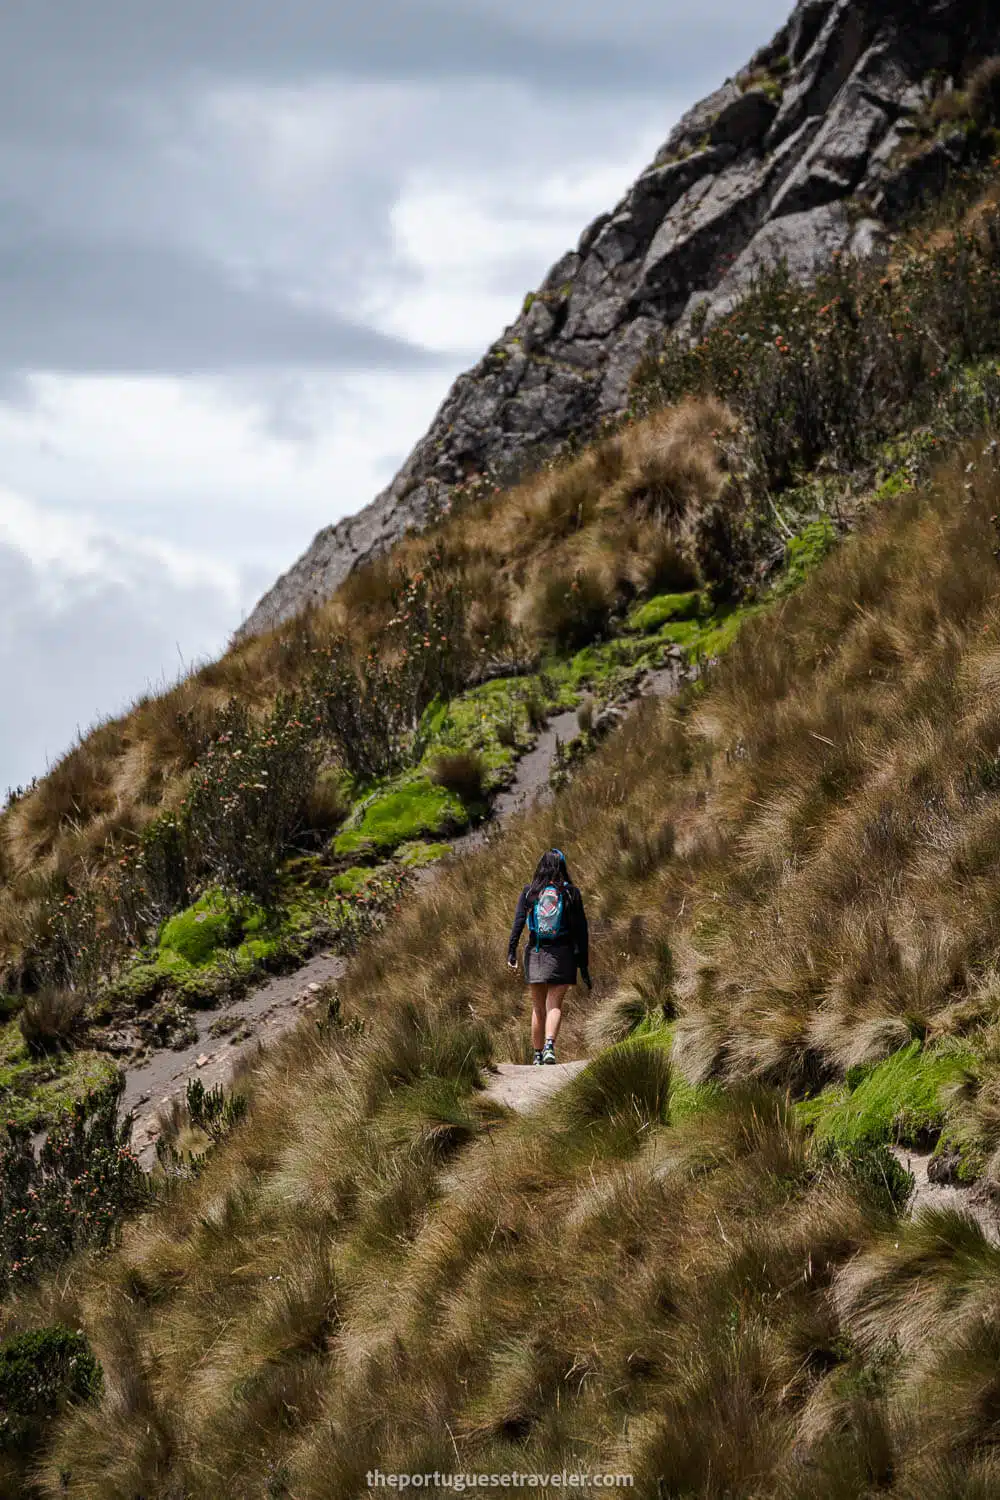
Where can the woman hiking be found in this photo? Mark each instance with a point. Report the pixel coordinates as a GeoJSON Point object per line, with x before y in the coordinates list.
{"type": "Point", "coordinates": [558, 946]}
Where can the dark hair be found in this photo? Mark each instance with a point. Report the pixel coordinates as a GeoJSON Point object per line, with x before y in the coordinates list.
{"type": "Point", "coordinates": [550, 870]}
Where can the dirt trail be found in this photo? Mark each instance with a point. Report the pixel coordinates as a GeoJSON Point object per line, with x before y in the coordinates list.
{"type": "Point", "coordinates": [927, 1194]}
{"type": "Point", "coordinates": [256, 1020]}
{"type": "Point", "coordinates": [526, 1088]}
{"type": "Point", "coordinates": [240, 1030]}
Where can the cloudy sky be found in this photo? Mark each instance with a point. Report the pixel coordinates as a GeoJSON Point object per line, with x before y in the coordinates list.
{"type": "Point", "coordinates": [244, 250]}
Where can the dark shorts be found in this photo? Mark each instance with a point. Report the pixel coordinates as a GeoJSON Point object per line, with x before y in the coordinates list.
{"type": "Point", "coordinates": [550, 965]}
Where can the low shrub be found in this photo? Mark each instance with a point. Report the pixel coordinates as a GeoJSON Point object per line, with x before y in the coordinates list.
{"type": "Point", "coordinates": [571, 610]}
{"type": "Point", "coordinates": [536, 711]}
{"type": "Point", "coordinates": [162, 867]}
{"type": "Point", "coordinates": [829, 373]}
{"type": "Point", "coordinates": [327, 807]}
{"type": "Point", "coordinates": [872, 1165]}
{"type": "Point", "coordinates": [212, 1110]}
{"type": "Point", "coordinates": [73, 1193]}
{"type": "Point", "coordinates": [668, 567]}
{"type": "Point", "coordinates": [49, 1019]}
{"type": "Point", "coordinates": [370, 706]}
{"type": "Point", "coordinates": [41, 1373]}
{"type": "Point", "coordinates": [250, 797]}
{"type": "Point", "coordinates": [464, 774]}
{"type": "Point", "coordinates": [674, 467]}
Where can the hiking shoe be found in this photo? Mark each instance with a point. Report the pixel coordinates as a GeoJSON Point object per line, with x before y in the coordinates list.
{"type": "Point", "coordinates": [538, 1058]}
{"type": "Point", "coordinates": [549, 1054]}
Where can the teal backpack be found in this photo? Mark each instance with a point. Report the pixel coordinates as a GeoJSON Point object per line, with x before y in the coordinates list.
{"type": "Point", "coordinates": [546, 919]}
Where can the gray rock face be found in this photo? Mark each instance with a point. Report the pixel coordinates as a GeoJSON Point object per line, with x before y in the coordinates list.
{"type": "Point", "coordinates": [798, 157]}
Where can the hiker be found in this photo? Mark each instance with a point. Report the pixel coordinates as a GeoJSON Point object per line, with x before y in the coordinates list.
{"type": "Point", "coordinates": [558, 946]}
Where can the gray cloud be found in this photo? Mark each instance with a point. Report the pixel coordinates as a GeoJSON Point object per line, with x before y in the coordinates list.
{"type": "Point", "coordinates": [558, 44]}
{"type": "Point", "coordinates": [133, 236]}
{"type": "Point", "coordinates": [80, 308]}
{"type": "Point", "coordinates": [92, 648]}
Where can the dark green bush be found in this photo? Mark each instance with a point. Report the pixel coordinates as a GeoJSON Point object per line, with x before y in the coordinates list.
{"type": "Point", "coordinates": [211, 1111]}
{"type": "Point", "coordinates": [72, 1193]}
{"type": "Point", "coordinates": [69, 947]}
{"type": "Point", "coordinates": [370, 708]}
{"type": "Point", "coordinates": [250, 796]}
{"type": "Point", "coordinates": [40, 1374]}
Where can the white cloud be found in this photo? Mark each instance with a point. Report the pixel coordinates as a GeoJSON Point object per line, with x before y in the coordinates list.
{"type": "Point", "coordinates": [92, 620]}
{"type": "Point", "coordinates": [69, 549]}
{"type": "Point", "coordinates": [239, 473]}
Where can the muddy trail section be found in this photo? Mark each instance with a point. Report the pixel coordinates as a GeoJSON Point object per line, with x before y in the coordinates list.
{"type": "Point", "coordinates": [233, 1034]}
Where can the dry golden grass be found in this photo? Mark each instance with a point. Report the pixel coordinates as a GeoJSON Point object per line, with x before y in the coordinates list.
{"type": "Point", "coordinates": [377, 1268]}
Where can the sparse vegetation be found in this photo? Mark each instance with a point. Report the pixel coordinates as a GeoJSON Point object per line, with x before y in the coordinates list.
{"type": "Point", "coordinates": [72, 1193]}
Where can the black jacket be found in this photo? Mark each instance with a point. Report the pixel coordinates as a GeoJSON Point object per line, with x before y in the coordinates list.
{"type": "Point", "coordinates": [577, 932]}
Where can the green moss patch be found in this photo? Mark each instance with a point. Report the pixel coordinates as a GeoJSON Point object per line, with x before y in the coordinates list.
{"type": "Point", "coordinates": [650, 617]}
{"type": "Point", "coordinates": [805, 552]}
{"type": "Point", "coordinates": [418, 856]}
{"type": "Point", "coordinates": [714, 636]}
{"type": "Point", "coordinates": [32, 1092]}
{"type": "Point", "coordinates": [416, 810]}
{"type": "Point", "coordinates": [199, 932]}
{"type": "Point", "coordinates": [897, 1102]}
{"type": "Point", "coordinates": [351, 882]}
{"type": "Point", "coordinates": [494, 721]}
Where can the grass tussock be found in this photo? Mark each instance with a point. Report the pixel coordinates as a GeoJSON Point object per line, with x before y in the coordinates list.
{"type": "Point", "coordinates": [48, 1020]}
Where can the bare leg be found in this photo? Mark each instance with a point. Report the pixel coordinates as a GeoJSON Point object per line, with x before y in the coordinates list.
{"type": "Point", "coordinates": [553, 1006]}
{"type": "Point", "coordinates": [538, 993]}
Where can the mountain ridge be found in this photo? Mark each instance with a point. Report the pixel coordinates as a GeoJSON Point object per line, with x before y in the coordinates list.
{"type": "Point", "coordinates": [811, 150]}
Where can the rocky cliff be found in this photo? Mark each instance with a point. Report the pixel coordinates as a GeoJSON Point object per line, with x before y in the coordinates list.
{"type": "Point", "coordinates": [812, 149]}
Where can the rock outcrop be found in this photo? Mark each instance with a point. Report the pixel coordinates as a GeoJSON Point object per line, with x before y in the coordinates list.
{"type": "Point", "coordinates": [812, 149]}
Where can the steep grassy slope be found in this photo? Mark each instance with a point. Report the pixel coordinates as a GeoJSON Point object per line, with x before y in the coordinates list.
{"type": "Point", "coordinates": [790, 872]}
{"type": "Point", "coordinates": [832, 397]}
{"type": "Point", "coordinates": [693, 1265]}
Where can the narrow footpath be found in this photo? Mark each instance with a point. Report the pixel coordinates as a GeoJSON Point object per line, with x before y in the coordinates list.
{"type": "Point", "coordinates": [238, 1032]}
